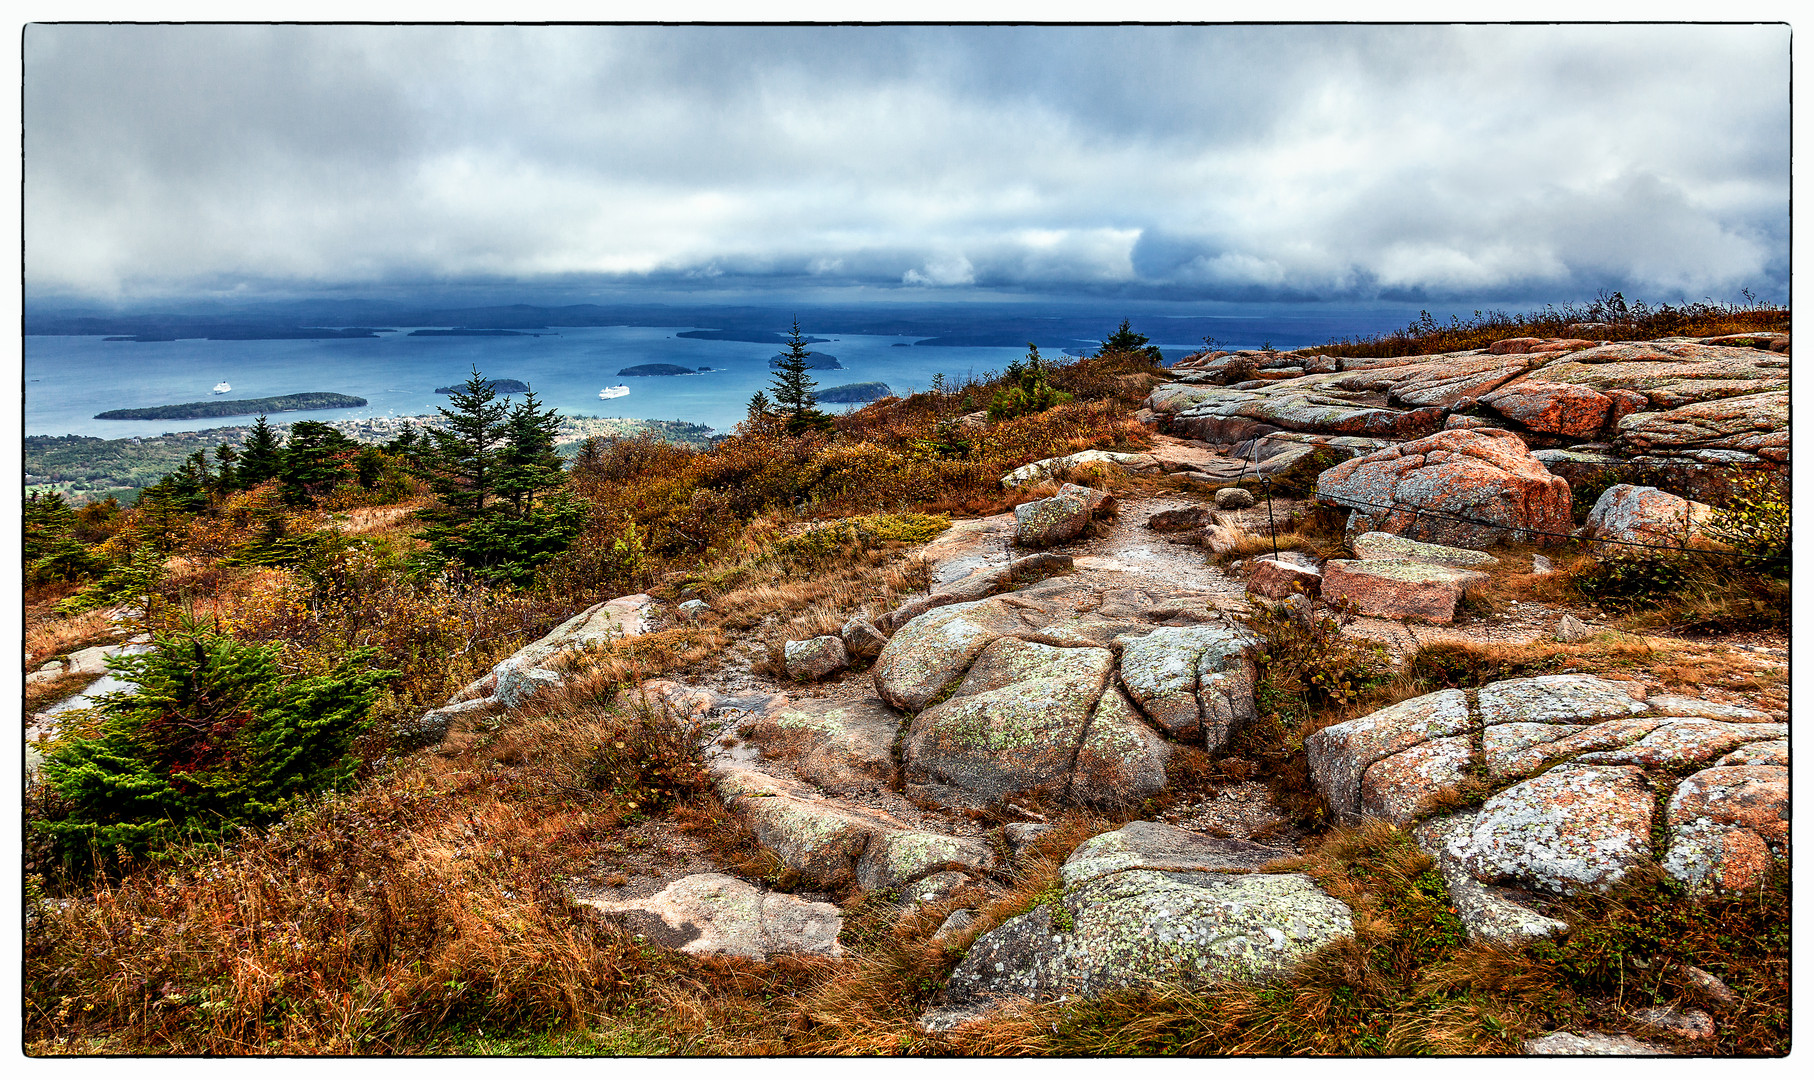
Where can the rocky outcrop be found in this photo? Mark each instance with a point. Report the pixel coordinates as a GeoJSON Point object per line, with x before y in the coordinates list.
{"type": "Point", "coordinates": [1460, 488]}
{"type": "Point", "coordinates": [1575, 765]}
{"type": "Point", "coordinates": [833, 844]}
{"type": "Point", "coordinates": [1756, 424]}
{"type": "Point", "coordinates": [1194, 682]}
{"type": "Point", "coordinates": [533, 668]}
{"type": "Point", "coordinates": [1382, 545]}
{"type": "Point", "coordinates": [1727, 822]}
{"type": "Point", "coordinates": [1672, 374]}
{"type": "Point", "coordinates": [839, 746]}
{"type": "Point", "coordinates": [982, 582]}
{"type": "Point", "coordinates": [1682, 413]}
{"type": "Point", "coordinates": [718, 914]}
{"type": "Point", "coordinates": [815, 658]}
{"type": "Point", "coordinates": [1591, 1044]}
{"type": "Point", "coordinates": [1052, 468]}
{"type": "Point", "coordinates": [1013, 724]}
{"type": "Point", "coordinates": [1147, 905]}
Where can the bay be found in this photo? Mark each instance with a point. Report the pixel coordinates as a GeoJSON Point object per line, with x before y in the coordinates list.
{"type": "Point", "coordinates": [70, 379]}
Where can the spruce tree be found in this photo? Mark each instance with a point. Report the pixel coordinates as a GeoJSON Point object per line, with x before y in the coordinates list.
{"type": "Point", "coordinates": [462, 459]}
{"type": "Point", "coordinates": [259, 458]}
{"type": "Point", "coordinates": [315, 460]}
{"type": "Point", "coordinates": [527, 464]}
{"type": "Point", "coordinates": [213, 733]}
{"type": "Point", "coordinates": [793, 388]}
{"type": "Point", "coordinates": [226, 476]}
{"type": "Point", "coordinates": [494, 465]}
{"type": "Point", "coordinates": [1125, 340]}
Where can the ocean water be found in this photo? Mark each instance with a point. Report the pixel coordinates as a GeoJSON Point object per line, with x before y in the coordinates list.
{"type": "Point", "coordinates": [70, 379]}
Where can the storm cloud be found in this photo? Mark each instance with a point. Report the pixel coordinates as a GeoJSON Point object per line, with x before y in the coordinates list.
{"type": "Point", "coordinates": [1250, 163]}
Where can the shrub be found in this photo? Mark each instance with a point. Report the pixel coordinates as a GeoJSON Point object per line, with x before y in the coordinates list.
{"type": "Point", "coordinates": [1755, 522]}
{"type": "Point", "coordinates": [216, 735]}
{"type": "Point", "coordinates": [1615, 320]}
{"type": "Point", "coordinates": [1029, 389]}
{"type": "Point", "coordinates": [1625, 581]}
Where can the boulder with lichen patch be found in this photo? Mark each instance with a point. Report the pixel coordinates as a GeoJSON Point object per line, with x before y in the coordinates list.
{"type": "Point", "coordinates": [1627, 514]}
{"type": "Point", "coordinates": [718, 914]}
{"type": "Point", "coordinates": [1013, 724]}
{"type": "Point", "coordinates": [1574, 828]}
{"type": "Point", "coordinates": [1195, 682]}
{"type": "Point", "coordinates": [1394, 589]}
{"type": "Point", "coordinates": [815, 658]}
{"type": "Point", "coordinates": [1289, 572]}
{"type": "Point", "coordinates": [929, 654]}
{"type": "Point", "coordinates": [1725, 824]}
{"type": "Point", "coordinates": [1044, 522]}
{"type": "Point", "coordinates": [1150, 905]}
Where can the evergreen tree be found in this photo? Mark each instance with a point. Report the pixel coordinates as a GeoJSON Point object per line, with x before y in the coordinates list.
{"type": "Point", "coordinates": [527, 464]}
{"type": "Point", "coordinates": [226, 475]}
{"type": "Point", "coordinates": [51, 550]}
{"type": "Point", "coordinates": [502, 513]}
{"type": "Point", "coordinates": [315, 460]}
{"type": "Point", "coordinates": [1126, 341]}
{"type": "Point", "coordinates": [760, 406]}
{"type": "Point", "coordinates": [793, 388]}
{"type": "Point", "coordinates": [463, 460]}
{"type": "Point", "coordinates": [213, 735]}
{"type": "Point", "coordinates": [191, 484]}
{"type": "Point", "coordinates": [260, 458]}
{"type": "Point", "coordinates": [408, 445]}
{"type": "Point", "coordinates": [1028, 390]}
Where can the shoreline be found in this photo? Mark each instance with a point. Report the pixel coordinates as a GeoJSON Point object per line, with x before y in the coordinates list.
{"type": "Point", "coordinates": [87, 467]}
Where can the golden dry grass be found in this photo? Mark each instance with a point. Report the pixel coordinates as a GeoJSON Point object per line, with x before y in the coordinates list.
{"type": "Point", "coordinates": [54, 635]}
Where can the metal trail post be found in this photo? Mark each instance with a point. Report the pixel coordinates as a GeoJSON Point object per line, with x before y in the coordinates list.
{"type": "Point", "coordinates": [1266, 488]}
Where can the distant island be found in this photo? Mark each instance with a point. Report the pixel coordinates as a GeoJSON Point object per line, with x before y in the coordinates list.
{"type": "Point", "coordinates": [258, 333]}
{"type": "Point", "coordinates": [850, 393]}
{"type": "Point", "coordinates": [816, 361]}
{"type": "Point", "coordinates": [200, 410]}
{"type": "Point", "coordinates": [760, 337]}
{"type": "Point", "coordinates": [657, 369]}
{"type": "Point", "coordinates": [461, 331]}
{"type": "Point", "coordinates": [498, 386]}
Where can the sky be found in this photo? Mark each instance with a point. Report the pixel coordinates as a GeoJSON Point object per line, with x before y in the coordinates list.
{"type": "Point", "coordinates": [1252, 164]}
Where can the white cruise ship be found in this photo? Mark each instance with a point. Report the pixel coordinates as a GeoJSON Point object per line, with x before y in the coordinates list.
{"type": "Point", "coordinates": [221, 387]}
{"type": "Point", "coordinates": [610, 392]}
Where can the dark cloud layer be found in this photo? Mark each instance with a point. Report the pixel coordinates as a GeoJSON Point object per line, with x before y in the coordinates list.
{"type": "Point", "coordinates": [1346, 163]}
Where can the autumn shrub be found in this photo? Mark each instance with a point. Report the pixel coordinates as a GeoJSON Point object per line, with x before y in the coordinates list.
{"type": "Point", "coordinates": [1308, 675]}
{"type": "Point", "coordinates": [439, 633]}
{"type": "Point", "coordinates": [1123, 377]}
{"type": "Point", "coordinates": [1755, 523]}
{"type": "Point", "coordinates": [1614, 319]}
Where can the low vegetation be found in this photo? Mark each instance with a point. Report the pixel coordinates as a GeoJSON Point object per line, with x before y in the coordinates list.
{"type": "Point", "coordinates": [1609, 317]}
